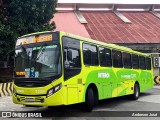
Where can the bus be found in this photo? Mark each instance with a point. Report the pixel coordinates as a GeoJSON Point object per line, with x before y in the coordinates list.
{"type": "Point", "coordinates": [59, 68]}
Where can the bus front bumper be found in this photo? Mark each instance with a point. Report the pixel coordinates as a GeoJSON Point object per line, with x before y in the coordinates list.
{"type": "Point", "coordinates": [53, 100]}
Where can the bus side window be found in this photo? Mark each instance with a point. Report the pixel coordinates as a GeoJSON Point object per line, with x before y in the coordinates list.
{"type": "Point", "coordinates": [142, 62]}
{"type": "Point", "coordinates": [105, 57]}
{"type": "Point", "coordinates": [90, 54]}
{"type": "Point", "coordinates": [117, 59]}
{"type": "Point", "coordinates": [127, 60]}
{"type": "Point", "coordinates": [148, 63]}
{"type": "Point", "coordinates": [135, 61]}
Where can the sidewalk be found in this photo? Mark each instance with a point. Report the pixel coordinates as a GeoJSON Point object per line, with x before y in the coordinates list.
{"type": "Point", "coordinates": [157, 86]}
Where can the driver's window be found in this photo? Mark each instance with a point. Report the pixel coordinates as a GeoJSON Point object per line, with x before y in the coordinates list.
{"type": "Point", "coordinates": [71, 58]}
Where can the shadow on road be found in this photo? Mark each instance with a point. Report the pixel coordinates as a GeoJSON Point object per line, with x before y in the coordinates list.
{"type": "Point", "coordinates": [77, 110]}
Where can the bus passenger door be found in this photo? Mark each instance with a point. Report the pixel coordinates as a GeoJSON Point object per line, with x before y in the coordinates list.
{"type": "Point", "coordinates": [71, 73]}
{"type": "Point", "coordinates": [72, 68]}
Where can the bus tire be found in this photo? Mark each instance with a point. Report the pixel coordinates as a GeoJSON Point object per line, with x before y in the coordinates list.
{"type": "Point", "coordinates": [89, 100]}
{"type": "Point", "coordinates": [136, 93]}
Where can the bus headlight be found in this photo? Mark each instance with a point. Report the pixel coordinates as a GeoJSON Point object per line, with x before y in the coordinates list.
{"type": "Point", "coordinates": [54, 90]}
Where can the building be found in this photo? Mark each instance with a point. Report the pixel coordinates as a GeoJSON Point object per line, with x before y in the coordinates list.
{"type": "Point", "coordinates": [133, 25]}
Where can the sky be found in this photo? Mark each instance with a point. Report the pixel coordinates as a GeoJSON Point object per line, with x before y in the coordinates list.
{"type": "Point", "coordinates": [112, 1]}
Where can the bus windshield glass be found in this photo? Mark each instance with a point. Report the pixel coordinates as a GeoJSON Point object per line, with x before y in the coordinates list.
{"type": "Point", "coordinates": [37, 61]}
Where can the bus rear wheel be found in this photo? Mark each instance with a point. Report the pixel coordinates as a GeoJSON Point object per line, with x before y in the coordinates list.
{"type": "Point", "coordinates": [136, 93]}
{"type": "Point", "coordinates": [89, 100]}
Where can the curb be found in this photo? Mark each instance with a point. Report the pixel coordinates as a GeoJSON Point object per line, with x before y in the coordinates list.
{"type": "Point", "coordinates": [157, 87]}
{"type": "Point", "coordinates": [6, 89]}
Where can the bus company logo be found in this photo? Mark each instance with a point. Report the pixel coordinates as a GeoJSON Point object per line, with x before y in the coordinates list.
{"type": "Point", "coordinates": [103, 75]}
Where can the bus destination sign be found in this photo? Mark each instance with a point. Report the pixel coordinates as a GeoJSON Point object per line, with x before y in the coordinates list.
{"type": "Point", "coordinates": [34, 39]}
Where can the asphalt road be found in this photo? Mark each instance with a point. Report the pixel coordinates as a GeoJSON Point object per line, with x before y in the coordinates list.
{"type": "Point", "coordinates": [116, 108]}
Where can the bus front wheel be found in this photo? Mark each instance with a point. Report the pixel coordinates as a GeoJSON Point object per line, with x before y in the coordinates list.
{"type": "Point", "coordinates": [89, 100]}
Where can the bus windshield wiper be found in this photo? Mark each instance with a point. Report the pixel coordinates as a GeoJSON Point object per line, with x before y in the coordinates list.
{"type": "Point", "coordinates": [41, 50]}
{"type": "Point", "coordinates": [23, 51]}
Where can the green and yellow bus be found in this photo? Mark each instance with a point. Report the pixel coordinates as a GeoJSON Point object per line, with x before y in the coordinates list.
{"type": "Point", "coordinates": [58, 68]}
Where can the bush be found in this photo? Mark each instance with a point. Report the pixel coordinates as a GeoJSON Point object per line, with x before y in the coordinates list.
{"type": "Point", "coordinates": [19, 17]}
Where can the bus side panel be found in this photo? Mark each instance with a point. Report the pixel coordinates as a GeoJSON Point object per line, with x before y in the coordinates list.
{"type": "Point", "coordinates": [111, 82]}
{"type": "Point", "coordinates": [146, 80]}
{"type": "Point", "coordinates": [122, 81]}
{"type": "Point", "coordinates": [73, 92]}
{"type": "Point", "coordinates": [90, 75]}
{"type": "Point", "coordinates": [126, 80]}
{"type": "Point", "coordinates": [104, 79]}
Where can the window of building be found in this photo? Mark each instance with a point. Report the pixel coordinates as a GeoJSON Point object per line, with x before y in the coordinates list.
{"type": "Point", "coordinates": [127, 60]}
{"type": "Point", "coordinates": [105, 57]}
{"type": "Point", "coordinates": [90, 54]}
{"type": "Point", "coordinates": [117, 59]}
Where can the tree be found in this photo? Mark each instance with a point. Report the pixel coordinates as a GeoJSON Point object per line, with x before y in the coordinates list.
{"type": "Point", "coordinates": [19, 17]}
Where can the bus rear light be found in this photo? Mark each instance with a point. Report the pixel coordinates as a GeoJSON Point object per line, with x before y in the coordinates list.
{"type": "Point", "coordinates": [54, 90]}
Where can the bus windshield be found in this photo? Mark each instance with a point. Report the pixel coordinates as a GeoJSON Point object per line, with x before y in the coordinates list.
{"type": "Point", "coordinates": [37, 61]}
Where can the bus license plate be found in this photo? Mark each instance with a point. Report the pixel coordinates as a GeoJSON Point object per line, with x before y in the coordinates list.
{"type": "Point", "coordinates": [29, 99]}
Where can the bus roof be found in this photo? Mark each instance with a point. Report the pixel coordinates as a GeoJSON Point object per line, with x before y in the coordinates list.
{"type": "Point", "coordinates": [115, 46]}
{"type": "Point", "coordinates": [35, 33]}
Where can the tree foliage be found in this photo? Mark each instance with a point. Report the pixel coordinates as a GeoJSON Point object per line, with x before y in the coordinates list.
{"type": "Point", "coordinates": [19, 17]}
